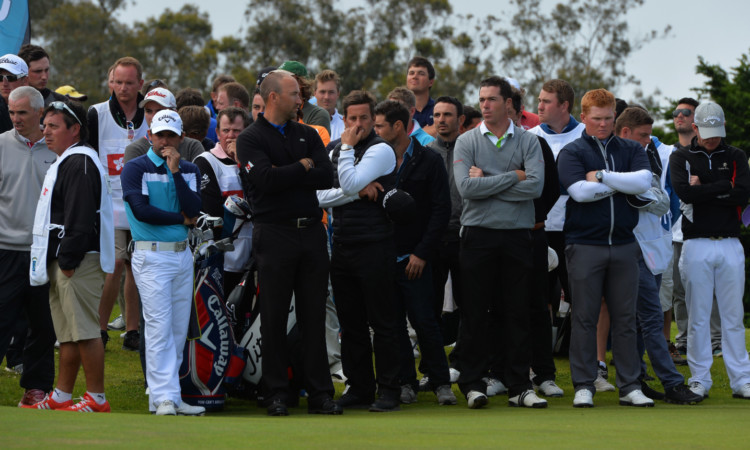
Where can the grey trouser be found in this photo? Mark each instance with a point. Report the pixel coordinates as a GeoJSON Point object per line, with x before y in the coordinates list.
{"type": "Point", "coordinates": [611, 272]}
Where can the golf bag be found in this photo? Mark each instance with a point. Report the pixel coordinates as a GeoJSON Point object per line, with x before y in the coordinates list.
{"type": "Point", "coordinates": [211, 359]}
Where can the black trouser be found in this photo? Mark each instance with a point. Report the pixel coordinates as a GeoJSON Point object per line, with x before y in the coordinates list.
{"type": "Point", "coordinates": [540, 325]}
{"type": "Point", "coordinates": [496, 267]}
{"type": "Point", "coordinates": [556, 240]}
{"type": "Point", "coordinates": [293, 260]}
{"type": "Point", "coordinates": [362, 276]}
{"type": "Point", "coordinates": [19, 297]}
{"type": "Point", "coordinates": [447, 262]}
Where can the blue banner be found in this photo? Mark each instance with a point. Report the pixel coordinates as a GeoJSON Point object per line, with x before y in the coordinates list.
{"type": "Point", "coordinates": [14, 25]}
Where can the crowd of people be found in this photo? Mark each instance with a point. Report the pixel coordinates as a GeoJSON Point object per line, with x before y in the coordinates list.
{"type": "Point", "coordinates": [373, 219]}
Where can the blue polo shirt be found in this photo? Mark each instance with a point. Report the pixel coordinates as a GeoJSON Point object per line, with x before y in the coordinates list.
{"type": "Point", "coordinates": [154, 197]}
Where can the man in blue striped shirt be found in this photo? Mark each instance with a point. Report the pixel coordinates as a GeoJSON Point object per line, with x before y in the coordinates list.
{"type": "Point", "coordinates": [161, 201]}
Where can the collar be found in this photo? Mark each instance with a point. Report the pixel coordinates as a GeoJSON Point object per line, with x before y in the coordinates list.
{"type": "Point", "coordinates": [119, 114]}
{"type": "Point", "coordinates": [26, 141]}
{"type": "Point", "coordinates": [280, 128]}
{"type": "Point", "coordinates": [430, 102]}
{"type": "Point", "coordinates": [511, 129]}
{"type": "Point", "coordinates": [415, 127]}
{"type": "Point", "coordinates": [410, 149]}
{"type": "Point", "coordinates": [443, 143]}
{"type": "Point", "coordinates": [156, 159]}
{"type": "Point", "coordinates": [572, 124]}
{"type": "Point", "coordinates": [219, 152]}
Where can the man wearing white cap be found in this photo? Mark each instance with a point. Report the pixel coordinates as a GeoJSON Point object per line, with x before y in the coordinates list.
{"type": "Point", "coordinates": [713, 180]}
{"type": "Point", "coordinates": [13, 73]}
{"type": "Point", "coordinates": [161, 199]}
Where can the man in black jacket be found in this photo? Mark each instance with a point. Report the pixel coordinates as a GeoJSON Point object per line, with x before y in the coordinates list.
{"type": "Point", "coordinates": [713, 181]}
{"type": "Point", "coordinates": [285, 164]}
{"type": "Point", "coordinates": [363, 258]}
{"type": "Point", "coordinates": [421, 173]}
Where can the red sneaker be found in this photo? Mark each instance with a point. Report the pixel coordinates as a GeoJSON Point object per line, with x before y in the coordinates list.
{"type": "Point", "coordinates": [32, 396]}
{"type": "Point", "coordinates": [48, 403]}
{"type": "Point", "coordinates": [88, 404]}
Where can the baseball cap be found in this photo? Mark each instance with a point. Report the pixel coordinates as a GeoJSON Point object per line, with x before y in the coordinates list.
{"type": "Point", "coordinates": [71, 92]}
{"type": "Point", "coordinates": [166, 119]}
{"type": "Point", "coordinates": [513, 82]}
{"type": "Point", "coordinates": [13, 64]}
{"type": "Point", "coordinates": [399, 206]}
{"type": "Point", "coordinates": [160, 96]}
{"type": "Point", "coordinates": [295, 67]}
{"type": "Point", "coordinates": [263, 74]}
{"type": "Point", "coordinates": [709, 118]}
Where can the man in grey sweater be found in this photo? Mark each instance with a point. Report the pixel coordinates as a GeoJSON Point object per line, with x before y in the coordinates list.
{"type": "Point", "coordinates": [499, 170]}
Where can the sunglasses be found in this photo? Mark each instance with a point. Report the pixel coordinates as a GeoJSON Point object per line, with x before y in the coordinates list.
{"type": "Point", "coordinates": [11, 78]}
{"type": "Point", "coordinates": [61, 106]}
{"type": "Point", "coordinates": [684, 111]}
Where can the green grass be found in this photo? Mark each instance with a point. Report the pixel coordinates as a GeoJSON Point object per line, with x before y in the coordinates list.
{"type": "Point", "coordinates": [719, 421]}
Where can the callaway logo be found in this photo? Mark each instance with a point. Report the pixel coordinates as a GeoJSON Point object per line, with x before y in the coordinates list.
{"type": "Point", "coordinates": [712, 120]}
{"type": "Point", "coordinates": [166, 119]}
{"type": "Point", "coordinates": [8, 61]}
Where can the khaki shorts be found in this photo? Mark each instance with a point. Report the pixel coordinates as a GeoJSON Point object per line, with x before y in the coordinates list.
{"type": "Point", "coordinates": [122, 239]}
{"type": "Point", "coordinates": [74, 301]}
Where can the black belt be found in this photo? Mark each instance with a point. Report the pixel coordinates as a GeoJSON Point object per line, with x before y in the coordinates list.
{"type": "Point", "coordinates": [299, 222]}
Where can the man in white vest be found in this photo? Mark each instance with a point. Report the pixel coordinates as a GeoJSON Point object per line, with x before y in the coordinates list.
{"type": "Point", "coordinates": [113, 125]}
{"type": "Point", "coordinates": [73, 246]}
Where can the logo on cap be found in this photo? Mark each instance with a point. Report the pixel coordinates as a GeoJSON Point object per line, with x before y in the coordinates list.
{"type": "Point", "coordinates": [8, 61]}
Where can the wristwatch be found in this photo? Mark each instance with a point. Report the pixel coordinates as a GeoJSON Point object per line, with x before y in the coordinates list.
{"type": "Point", "coordinates": [599, 175]}
{"type": "Point", "coordinates": [346, 147]}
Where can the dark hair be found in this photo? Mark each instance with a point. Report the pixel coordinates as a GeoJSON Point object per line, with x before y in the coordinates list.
{"type": "Point", "coordinates": [502, 83]}
{"type": "Point", "coordinates": [470, 113]}
{"type": "Point", "coordinates": [232, 113]}
{"type": "Point", "coordinates": [515, 99]}
{"type": "Point", "coordinates": [238, 92]}
{"type": "Point", "coordinates": [563, 90]}
{"type": "Point", "coordinates": [30, 53]}
{"type": "Point", "coordinates": [453, 101]}
{"type": "Point", "coordinates": [221, 80]}
{"type": "Point", "coordinates": [195, 120]}
{"type": "Point", "coordinates": [688, 101]}
{"type": "Point", "coordinates": [188, 97]}
{"type": "Point", "coordinates": [153, 84]}
{"type": "Point", "coordinates": [620, 106]}
{"type": "Point", "coordinates": [633, 117]}
{"type": "Point", "coordinates": [419, 61]}
{"type": "Point", "coordinates": [393, 110]}
{"type": "Point", "coordinates": [80, 113]}
{"type": "Point", "coordinates": [359, 98]}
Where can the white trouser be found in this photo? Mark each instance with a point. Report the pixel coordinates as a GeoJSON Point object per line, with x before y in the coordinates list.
{"type": "Point", "coordinates": [707, 267]}
{"type": "Point", "coordinates": [165, 283]}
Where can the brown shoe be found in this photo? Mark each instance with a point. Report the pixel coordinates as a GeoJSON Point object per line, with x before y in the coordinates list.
{"type": "Point", "coordinates": [677, 359]}
{"type": "Point", "coordinates": [31, 397]}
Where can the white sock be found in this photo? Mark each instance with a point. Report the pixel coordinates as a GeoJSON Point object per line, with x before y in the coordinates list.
{"type": "Point", "coordinates": [60, 396]}
{"type": "Point", "coordinates": [99, 398]}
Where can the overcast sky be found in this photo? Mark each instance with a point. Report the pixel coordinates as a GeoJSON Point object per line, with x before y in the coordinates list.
{"type": "Point", "coordinates": [719, 31]}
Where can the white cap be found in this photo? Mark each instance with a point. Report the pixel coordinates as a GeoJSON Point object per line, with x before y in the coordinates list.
{"type": "Point", "coordinates": [513, 82]}
{"type": "Point", "coordinates": [13, 64]}
{"type": "Point", "coordinates": [166, 119]}
{"type": "Point", "coordinates": [709, 118]}
{"type": "Point", "coordinates": [160, 96]}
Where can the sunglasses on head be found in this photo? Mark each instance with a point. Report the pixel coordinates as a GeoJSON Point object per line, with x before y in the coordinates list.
{"type": "Point", "coordinates": [687, 112]}
{"type": "Point", "coordinates": [11, 78]}
{"type": "Point", "coordinates": [61, 106]}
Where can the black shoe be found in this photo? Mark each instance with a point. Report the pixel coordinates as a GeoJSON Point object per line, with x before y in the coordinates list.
{"type": "Point", "coordinates": [681, 395]}
{"type": "Point", "coordinates": [351, 400]}
{"type": "Point", "coordinates": [386, 403]}
{"type": "Point", "coordinates": [105, 337]}
{"type": "Point", "coordinates": [651, 393]}
{"type": "Point", "coordinates": [328, 406]}
{"type": "Point", "coordinates": [277, 408]}
{"type": "Point", "coordinates": [132, 341]}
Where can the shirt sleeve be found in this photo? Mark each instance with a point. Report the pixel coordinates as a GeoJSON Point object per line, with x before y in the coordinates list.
{"type": "Point", "coordinates": [379, 160]}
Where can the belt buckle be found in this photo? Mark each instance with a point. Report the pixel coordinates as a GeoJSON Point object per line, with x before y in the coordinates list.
{"type": "Point", "coordinates": [299, 220]}
{"type": "Point", "coordinates": [154, 246]}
